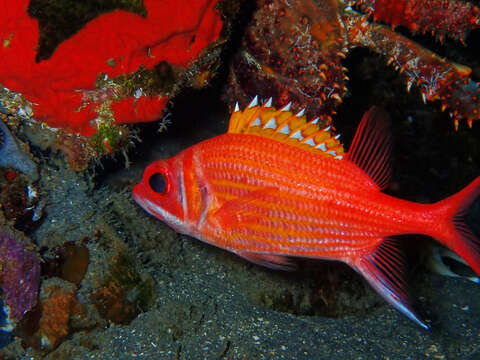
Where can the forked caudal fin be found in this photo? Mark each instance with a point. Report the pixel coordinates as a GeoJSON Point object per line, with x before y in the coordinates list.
{"type": "Point", "coordinates": [457, 236]}
{"type": "Point", "coordinates": [383, 266]}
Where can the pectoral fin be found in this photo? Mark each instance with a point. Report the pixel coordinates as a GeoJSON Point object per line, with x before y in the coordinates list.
{"type": "Point", "coordinates": [241, 210]}
{"type": "Point", "coordinates": [244, 211]}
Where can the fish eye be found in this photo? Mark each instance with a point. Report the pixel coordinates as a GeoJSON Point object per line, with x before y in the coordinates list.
{"type": "Point", "coordinates": [158, 183]}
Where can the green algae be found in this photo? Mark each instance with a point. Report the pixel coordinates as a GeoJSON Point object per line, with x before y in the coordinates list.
{"type": "Point", "coordinates": [109, 137]}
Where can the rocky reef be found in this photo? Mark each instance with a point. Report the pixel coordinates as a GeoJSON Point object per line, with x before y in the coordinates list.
{"type": "Point", "coordinates": [12, 156]}
{"type": "Point", "coordinates": [19, 276]}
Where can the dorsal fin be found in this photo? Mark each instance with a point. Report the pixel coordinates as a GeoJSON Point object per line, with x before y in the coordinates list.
{"type": "Point", "coordinates": [284, 126]}
{"type": "Point", "coordinates": [372, 146]}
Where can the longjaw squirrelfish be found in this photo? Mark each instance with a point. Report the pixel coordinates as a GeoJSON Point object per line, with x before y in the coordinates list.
{"type": "Point", "coordinates": [277, 186]}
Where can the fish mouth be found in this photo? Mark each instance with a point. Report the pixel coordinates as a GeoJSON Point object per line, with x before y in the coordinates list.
{"type": "Point", "coordinates": [141, 197]}
{"type": "Point", "coordinates": [139, 194]}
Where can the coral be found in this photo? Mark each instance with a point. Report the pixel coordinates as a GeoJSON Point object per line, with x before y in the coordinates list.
{"type": "Point", "coordinates": [76, 149]}
{"type": "Point", "coordinates": [5, 334]}
{"type": "Point", "coordinates": [13, 195]}
{"type": "Point", "coordinates": [58, 304]}
{"type": "Point", "coordinates": [69, 261]}
{"type": "Point", "coordinates": [291, 53]}
{"type": "Point", "coordinates": [18, 199]}
{"type": "Point", "coordinates": [62, 89]}
{"type": "Point", "coordinates": [124, 293]}
{"type": "Point", "coordinates": [109, 138]}
{"type": "Point", "coordinates": [12, 156]}
{"type": "Point", "coordinates": [13, 103]}
{"type": "Point", "coordinates": [19, 275]}
{"type": "Point", "coordinates": [442, 18]}
{"type": "Point", "coordinates": [76, 261]}
{"type": "Point", "coordinates": [293, 50]}
{"type": "Point", "coordinates": [58, 20]}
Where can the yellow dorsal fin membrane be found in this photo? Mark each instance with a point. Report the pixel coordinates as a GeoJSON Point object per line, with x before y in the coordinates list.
{"type": "Point", "coordinates": [284, 126]}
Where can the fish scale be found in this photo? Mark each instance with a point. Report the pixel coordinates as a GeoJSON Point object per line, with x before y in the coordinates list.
{"type": "Point", "coordinates": [277, 186]}
{"type": "Point", "coordinates": [282, 159]}
{"type": "Point", "coordinates": [235, 165]}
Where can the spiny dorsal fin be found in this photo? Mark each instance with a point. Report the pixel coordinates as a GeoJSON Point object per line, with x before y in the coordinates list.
{"type": "Point", "coordinates": [372, 146]}
{"type": "Point", "coordinates": [284, 126]}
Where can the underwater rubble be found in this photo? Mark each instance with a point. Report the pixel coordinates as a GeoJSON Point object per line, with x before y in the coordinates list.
{"type": "Point", "coordinates": [19, 277]}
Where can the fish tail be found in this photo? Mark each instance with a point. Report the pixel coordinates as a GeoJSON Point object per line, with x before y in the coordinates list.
{"type": "Point", "coordinates": [383, 268]}
{"type": "Point", "coordinates": [457, 235]}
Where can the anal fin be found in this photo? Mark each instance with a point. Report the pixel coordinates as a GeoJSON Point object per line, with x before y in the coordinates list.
{"type": "Point", "coordinates": [276, 262]}
{"type": "Point", "coordinates": [384, 271]}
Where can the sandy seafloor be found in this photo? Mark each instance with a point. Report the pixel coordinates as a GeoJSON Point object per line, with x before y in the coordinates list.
{"type": "Point", "coordinates": [209, 304]}
{"type": "Point", "coordinates": [212, 305]}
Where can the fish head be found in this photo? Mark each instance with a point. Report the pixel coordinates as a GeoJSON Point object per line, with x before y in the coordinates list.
{"type": "Point", "coordinates": [160, 192]}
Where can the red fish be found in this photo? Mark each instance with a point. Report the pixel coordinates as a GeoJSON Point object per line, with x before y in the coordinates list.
{"type": "Point", "coordinates": [277, 186]}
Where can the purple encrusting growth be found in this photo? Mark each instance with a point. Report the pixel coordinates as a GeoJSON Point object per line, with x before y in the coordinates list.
{"type": "Point", "coordinates": [19, 276]}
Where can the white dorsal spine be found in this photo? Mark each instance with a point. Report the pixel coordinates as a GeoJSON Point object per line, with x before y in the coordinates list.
{"type": "Point", "coordinates": [300, 113]}
{"type": "Point", "coordinates": [254, 102]}
{"type": "Point", "coordinates": [287, 107]}
{"type": "Point", "coordinates": [284, 130]}
{"type": "Point", "coordinates": [284, 126]}
{"type": "Point", "coordinates": [271, 124]}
